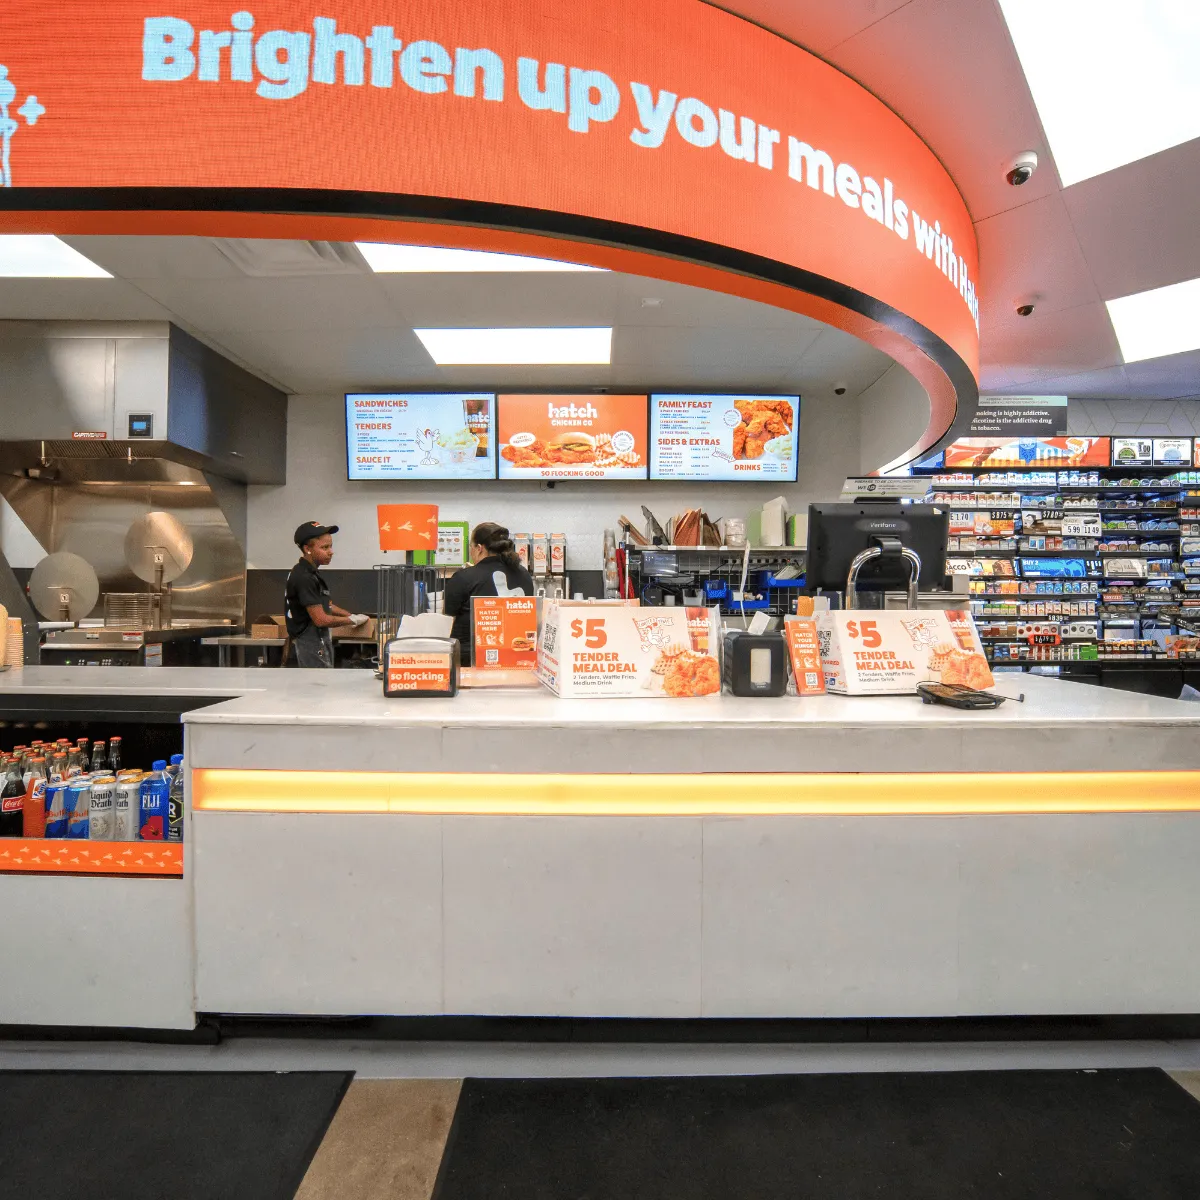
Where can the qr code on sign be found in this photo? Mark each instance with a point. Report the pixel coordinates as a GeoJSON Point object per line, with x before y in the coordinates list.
{"type": "Point", "coordinates": [491, 657]}
{"type": "Point", "coordinates": [811, 679]}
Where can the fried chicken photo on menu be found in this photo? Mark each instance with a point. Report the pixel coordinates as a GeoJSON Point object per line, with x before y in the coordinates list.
{"type": "Point", "coordinates": [762, 420]}
{"type": "Point", "coordinates": [692, 674]}
{"type": "Point", "coordinates": [533, 455]}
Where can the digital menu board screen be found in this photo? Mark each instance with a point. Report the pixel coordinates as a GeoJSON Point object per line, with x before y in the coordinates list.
{"type": "Point", "coordinates": [421, 435]}
{"type": "Point", "coordinates": [723, 437]}
{"type": "Point", "coordinates": [1132, 451]}
{"type": "Point", "coordinates": [1173, 452]}
{"type": "Point", "coordinates": [572, 436]}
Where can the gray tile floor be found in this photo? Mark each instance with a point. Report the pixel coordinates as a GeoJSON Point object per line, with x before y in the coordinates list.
{"type": "Point", "coordinates": [456, 1060]}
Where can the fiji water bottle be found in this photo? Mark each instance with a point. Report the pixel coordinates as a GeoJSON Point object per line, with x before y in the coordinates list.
{"type": "Point", "coordinates": [175, 804]}
{"type": "Point", "coordinates": [156, 800]}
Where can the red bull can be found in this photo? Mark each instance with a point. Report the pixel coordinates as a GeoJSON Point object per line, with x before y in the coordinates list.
{"type": "Point", "coordinates": [56, 809]}
{"type": "Point", "coordinates": [127, 806]}
{"type": "Point", "coordinates": [100, 808]}
{"type": "Point", "coordinates": [79, 799]}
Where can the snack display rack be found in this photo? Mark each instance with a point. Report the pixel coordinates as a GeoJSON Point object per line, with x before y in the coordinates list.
{"type": "Point", "coordinates": [1080, 566]}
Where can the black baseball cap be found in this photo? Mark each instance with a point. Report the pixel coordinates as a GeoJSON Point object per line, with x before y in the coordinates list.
{"type": "Point", "coordinates": [313, 529]}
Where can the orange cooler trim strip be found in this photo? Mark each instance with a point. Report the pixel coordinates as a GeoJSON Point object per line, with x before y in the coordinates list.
{"type": "Point", "coordinates": [218, 790]}
{"type": "Point", "coordinates": [69, 857]}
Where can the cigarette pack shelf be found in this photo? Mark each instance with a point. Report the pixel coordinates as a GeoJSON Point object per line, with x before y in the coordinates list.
{"type": "Point", "coordinates": [1057, 546]}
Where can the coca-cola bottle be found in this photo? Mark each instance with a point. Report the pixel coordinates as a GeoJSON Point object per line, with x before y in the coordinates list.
{"type": "Point", "coordinates": [12, 801]}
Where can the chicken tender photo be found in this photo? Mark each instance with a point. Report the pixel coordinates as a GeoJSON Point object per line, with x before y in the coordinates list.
{"type": "Point", "coordinates": [533, 455]}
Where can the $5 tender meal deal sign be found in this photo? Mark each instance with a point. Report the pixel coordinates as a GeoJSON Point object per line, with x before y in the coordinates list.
{"type": "Point", "coordinates": [616, 650]}
{"type": "Point", "coordinates": [888, 653]}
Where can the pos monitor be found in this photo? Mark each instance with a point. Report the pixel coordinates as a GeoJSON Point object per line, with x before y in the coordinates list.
{"type": "Point", "coordinates": [837, 533]}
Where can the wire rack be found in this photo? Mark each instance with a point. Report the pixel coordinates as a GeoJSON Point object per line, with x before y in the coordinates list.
{"type": "Point", "coordinates": [401, 591]}
{"type": "Point", "coordinates": [712, 576]}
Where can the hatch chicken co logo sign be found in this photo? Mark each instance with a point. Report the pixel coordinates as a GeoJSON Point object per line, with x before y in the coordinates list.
{"type": "Point", "coordinates": [673, 119]}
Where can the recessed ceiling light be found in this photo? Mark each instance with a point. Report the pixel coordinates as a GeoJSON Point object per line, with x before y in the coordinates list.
{"type": "Point", "coordinates": [383, 258]}
{"type": "Point", "coordinates": [517, 347]}
{"type": "Point", "coordinates": [1113, 81]}
{"type": "Point", "coordinates": [1156, 323]}
{"type": "Point", "coordinates": [43, 256]}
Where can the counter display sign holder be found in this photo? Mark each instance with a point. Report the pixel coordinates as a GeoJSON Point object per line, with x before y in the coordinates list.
{"type": "Point", "coordinates": [594, 650]}
{"type": "Point", "coordinates": [881, 653]}
{"type": "Point", "coordinates": [726, 437]}
{"type": "Point", "coordinates": [504, 632]}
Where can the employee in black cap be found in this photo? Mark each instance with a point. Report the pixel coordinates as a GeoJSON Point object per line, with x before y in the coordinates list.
{"type": "Point", "coordinates": [310, 614]}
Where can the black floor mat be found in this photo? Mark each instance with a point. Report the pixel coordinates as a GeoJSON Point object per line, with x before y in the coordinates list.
{"type": "Point", "coordinates": [108, 1135]}
{"type": "Point", "coordinates": [1058, 1135]}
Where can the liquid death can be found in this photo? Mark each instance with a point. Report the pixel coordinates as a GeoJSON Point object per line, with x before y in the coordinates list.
{"type": "Point", "coordinates": [100, 810]}
{"type": "Point", "coordinates": [127, 806]}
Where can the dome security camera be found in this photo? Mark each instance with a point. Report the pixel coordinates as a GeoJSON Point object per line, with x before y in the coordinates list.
{"type": "Point", "coordinates": [839, 389]}
{"type": "Point", "coordinates": [1021, 169]}
{"type": "Point", "coordinates": [1025, 310]}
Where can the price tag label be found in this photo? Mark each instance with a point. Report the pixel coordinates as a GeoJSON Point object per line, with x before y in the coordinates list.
{"type": "Point", "coordinates": [1082, 525]}
{"type": "Point", "coordinates": [591, 630]}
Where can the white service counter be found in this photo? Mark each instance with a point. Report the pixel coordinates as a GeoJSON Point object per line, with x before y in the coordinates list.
{"type": "Point", "coordinates": [510, 853]}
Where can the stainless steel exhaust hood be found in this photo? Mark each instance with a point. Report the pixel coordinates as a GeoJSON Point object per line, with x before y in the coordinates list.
{"type": "Point", "coordinates": [93, 391]}
{"type": "Point", "coordinates": [101, 423]}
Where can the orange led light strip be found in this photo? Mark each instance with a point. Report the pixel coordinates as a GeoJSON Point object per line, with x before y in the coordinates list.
{"type": "Point", "coordinates": [218, 790]}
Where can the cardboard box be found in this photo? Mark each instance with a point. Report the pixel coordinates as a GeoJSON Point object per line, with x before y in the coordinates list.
{"type": "Point", "coordinates": [363, 631]}
{"type": "Point", "coordinates": [269, 627]}
{"type": "Point", "coordinates": [867, 652]}
{"type": "Point", "coordinates": [595, 650]}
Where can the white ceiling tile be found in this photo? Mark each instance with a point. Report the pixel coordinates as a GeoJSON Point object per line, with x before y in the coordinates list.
{"type": "Point", "coordinates": [76, 300]}
{"type": "Point", "coordinates": [818, 27]}
{"type": "Point", "coordinates": [1057, 276]}
{"type": "Point", "coordinates": [949, 69]}
{"type": "Point", "coordinates": [1137, 225]}
{"type": "Point", "coordinates": [156, 257]}
{"type": "Point", "coordinates": [519, 300]}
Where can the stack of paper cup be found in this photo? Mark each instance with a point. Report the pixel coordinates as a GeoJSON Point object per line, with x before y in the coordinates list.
{"type": "Point", "coordinates": [14, 655]}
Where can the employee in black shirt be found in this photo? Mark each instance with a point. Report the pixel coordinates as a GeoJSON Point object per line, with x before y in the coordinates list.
{"type": "Point", "coordinates": [497, 571]}
{"type": "Point", "coordinates": [310, 614]}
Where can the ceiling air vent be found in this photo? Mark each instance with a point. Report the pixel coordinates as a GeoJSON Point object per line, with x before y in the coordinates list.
{"type": "Point", "coordinates": [267, 259]}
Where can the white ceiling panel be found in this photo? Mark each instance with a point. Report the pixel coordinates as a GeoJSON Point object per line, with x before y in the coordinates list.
{"type": "Point", "coordinates": [949, 69]}
{"type": "Point", "coordinates": [76, 300]}
{"type": "Point", "coordinates": [1138, 226]}
{"type": "Point", "coordinates": [699, 309]}
{"type": "Point", "coordinates": [517, 300]}
{"type": "Point", "coordinates": [1063, 282]}
{"type": "Point", "coordinates": [1071, 341]}
{"type": "Point", "coordinates": [1178, 373]}
{"type": "Point", "coordinates": [818, 27]}
{"type": "Point", "coordinates": [756, 350]}
{"type": "Point", "coordinates": [157, 257]}
{"type": "Point", "coordinates": [336, 302]}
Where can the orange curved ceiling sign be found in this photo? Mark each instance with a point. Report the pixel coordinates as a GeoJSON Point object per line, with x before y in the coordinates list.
{"type": "Point", "coordinates": [672, 127]}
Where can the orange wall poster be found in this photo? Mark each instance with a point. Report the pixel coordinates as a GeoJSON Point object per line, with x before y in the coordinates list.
{"type": "Point", "coordinates": [572, 436]}
{"type": "Point", "coordinates": [504, 629]}
{"type": "Point", "coordinates": [674, 117]}
{"type": "Point", "coordinates": [407, 526]}
{"type": "Point", "coordinates": [1029, 453]}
